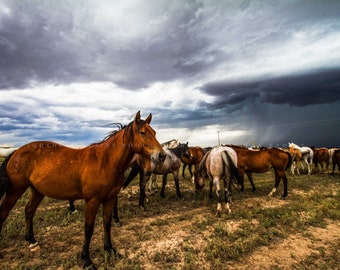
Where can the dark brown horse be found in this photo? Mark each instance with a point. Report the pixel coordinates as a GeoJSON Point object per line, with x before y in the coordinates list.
{"type": "Point", "coordinates": [94, 173]}
{"type": "Point", "coordinates": [193, 157]}
{"type": "Point", "coordinates": [250, 161]}
{"type": "Point", "coordinates": [336, 160]}
{"type": "Point", "coordinates": [320, 156]}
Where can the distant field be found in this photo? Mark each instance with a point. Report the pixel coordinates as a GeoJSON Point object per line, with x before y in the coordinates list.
{"type": "Point", "coordinates": [302, 232]}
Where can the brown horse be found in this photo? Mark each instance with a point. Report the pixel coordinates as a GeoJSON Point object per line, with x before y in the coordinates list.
{"type": "Point", "coordinates": [320, 156]}
{"type": "Point", "coordinates": [296, 159]}
{"type": "Point", "coordinates": [193, 157]}
{"type": "Point", "coordinates": [249, 161]}
{"type": "Point", "coordinates": [94, 173]}
{"type": "Point", "coordinates": [336, 160]}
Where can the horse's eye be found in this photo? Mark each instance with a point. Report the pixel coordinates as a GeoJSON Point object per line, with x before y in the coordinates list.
{"type": "Point", "coordinates": [142, 133]}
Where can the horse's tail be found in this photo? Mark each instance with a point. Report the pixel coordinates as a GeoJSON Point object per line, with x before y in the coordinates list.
{"type": "Point", "coordinates": [233, 169]}
{"type": "Point", "coordinates": [4, 179]}
{"type": "Point", "coordinates": [135, 169]}
{"type": "Point", "coordinates": [290, 160]}
{"type": "Point", "coordinates": [310, 157]}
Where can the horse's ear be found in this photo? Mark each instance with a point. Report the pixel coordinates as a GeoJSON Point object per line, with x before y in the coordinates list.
{"type": "Point", "coordinates": [187, 143]}
{"type": "Point", "coordinates": [137, 117]}
{"type": "Point", "coordinates": [148, 119]}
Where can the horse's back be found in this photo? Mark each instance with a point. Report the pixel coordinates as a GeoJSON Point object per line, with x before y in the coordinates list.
{"type": "Point", "coordinates": [48, 166]}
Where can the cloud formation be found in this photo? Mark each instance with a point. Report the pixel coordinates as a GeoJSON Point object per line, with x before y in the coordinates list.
{"type": "Point", "coordinates": [257, 71]}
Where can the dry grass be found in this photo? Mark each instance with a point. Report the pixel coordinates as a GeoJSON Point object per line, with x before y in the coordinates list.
{"type": "Point", "coordinates": [301, 232]}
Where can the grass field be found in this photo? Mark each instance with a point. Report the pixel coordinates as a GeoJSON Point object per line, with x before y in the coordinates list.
{"type": "Point", "coordinates": [302, 232]}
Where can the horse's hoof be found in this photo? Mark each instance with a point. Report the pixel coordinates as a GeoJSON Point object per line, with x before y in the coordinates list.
{"type": "Point", "coordinates": [283, 198]}
{"type": "Point", "coordinates": [34, 247]}
{"type": "Point", "coordinates": [1, 257]}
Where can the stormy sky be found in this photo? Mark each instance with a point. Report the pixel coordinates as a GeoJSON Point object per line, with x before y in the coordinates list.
{"type": "Point", "coordinates": [254, 72]}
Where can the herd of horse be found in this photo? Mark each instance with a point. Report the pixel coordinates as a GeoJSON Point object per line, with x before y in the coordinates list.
{"type": "Point", "coordinates": [98, 172]}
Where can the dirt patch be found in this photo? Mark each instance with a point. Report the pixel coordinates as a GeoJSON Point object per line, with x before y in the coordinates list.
{"type": "Point", "coordinates": [292, 250]}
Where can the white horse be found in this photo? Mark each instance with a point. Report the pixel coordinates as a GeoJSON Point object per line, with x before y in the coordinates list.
{"type": "Point", "coordinates": [307, 155]}
{"type": "Point", "coordinates": [170, 144]}
{"type": "Point", "coordinates": [220, 163]}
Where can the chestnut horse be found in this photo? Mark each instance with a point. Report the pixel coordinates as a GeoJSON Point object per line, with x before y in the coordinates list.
{"type": "Point", "coordinates": [249, 161]}
{"type": "Point", "coordinates": [220, 163]}
{"type": "Point", "coordinates": [94, 173]}
{"type": "Point", "coordinates": [138, 162]}
{"type": "Point", "coordinates": [296, 159]}
{"type": "Point", "coordinates": [193, 157]}
{"type": "Point", "coordinates": [320, 156]}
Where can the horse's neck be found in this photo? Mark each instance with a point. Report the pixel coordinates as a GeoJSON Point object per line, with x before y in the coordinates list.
{"type": "Point", "coordinates": [177, 151]}
{"type": "Point", "coordinates": [117, 151]}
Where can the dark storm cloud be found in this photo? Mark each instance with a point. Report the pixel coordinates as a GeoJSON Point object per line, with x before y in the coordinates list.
{"type": "Point", "coordinates": [55, 42]}
{"type": "Point", "coordinates": [318, 87]}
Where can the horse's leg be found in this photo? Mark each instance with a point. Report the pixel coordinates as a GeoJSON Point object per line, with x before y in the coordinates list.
{"type": "Point", "coordinates": [107, 217]}
{"type": "Point", "coordinates": [176, 179]}
{"type": "Point", "coordinates": [152, 183]}
{"type": "Point", "coordinates": [193, 175]}
{"type": "Point", "coordinates": [211, 184]}
{"type": "Point", "coordinates": [91, 208]}
{"type": "Point", "coordinates": [227, 193]}
{"type": "Point", "coordinates": [115, 213]}
{"type": "Point", "coordinates": [190, 170]}
{"type": "Point", "coordinates": [216, 182]}
{"type": "Point", "coordinates": [292, 167]}
{"type": "Point", "coordinates": [241, 173]}
{"type": "Point", "coordinates": [71, 206]}
{"type": "Point", "coordinates": [164, 184]}
{"type": "Point", "coordinates": [285, 186]}
{"type": "Point", "coordinates": [12, 196]}
{"type": "Point", "coordinates": [277, 182]}
{"type": "Point", "coordinates": [308, 166]}
{"type": "Point", "coordinates": [30, 209]}
{"type": "Point", "coordinates": [250, 178]}
{"type": "Point", "coordinates": [184, 165]}
{"type": "Point", "coordinates": [143, 179]}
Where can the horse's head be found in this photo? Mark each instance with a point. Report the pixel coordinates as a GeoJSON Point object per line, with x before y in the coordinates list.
{"type": "Point", "coordinates": [199, 180]}
{"type": "Point", "coordinates": [183, 148]}
{"type": "Point", "coordinates": [188, 153]}
{"type": "Point", "coordinates": [143, 139]}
